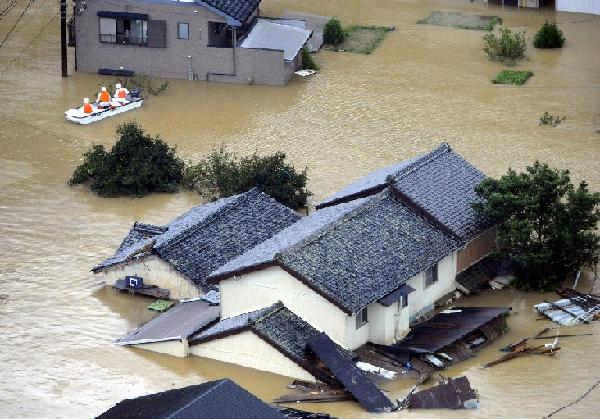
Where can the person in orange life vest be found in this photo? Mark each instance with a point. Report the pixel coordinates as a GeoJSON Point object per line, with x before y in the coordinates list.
{"type": "Point", "coordinates": [87, 106]}
{"type": "Point", "coordinates": [120, 93]}
{"type": "Point", "coordinates": [103, 98]}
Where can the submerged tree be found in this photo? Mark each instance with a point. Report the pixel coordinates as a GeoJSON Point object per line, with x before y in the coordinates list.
{"type": "Point", "coordinates": [137, 164]}
{"type": "Point", "coordinates": [547, 225]}
{"type": "Point", "coordinates": [221, 174]}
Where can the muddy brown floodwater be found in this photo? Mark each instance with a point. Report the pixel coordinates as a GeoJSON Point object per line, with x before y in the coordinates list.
{"type": "Point", "coordinates": [424, 85]}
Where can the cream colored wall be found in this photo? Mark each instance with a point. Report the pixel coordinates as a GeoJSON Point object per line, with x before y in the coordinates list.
{"type": "Point", "coordinates": [262, 288]}
{"type": "Point", "coordinates": [177, 348]}
{"type": "Point", "coordinates": [422, 299]}
{"type": "Point", "coordinates": [249, 350]}
{"type": "Point", "coordinates": [157, 272]}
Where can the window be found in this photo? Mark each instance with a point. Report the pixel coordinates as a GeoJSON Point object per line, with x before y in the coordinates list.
{"type": "Point", "coordinates": [123, 31]}
{"type": "Point", "coordinates": [361, 318]}
{"type": "Point", "coordinates": [183, 31]}
{"type": "Point", "coordinates": [403, 301]}
{"type": "Point", "coordinates": [431, 275]}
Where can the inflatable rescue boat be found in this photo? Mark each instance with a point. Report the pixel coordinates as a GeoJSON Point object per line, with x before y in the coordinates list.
{"type": "Point", "coordinates": [78, 116]}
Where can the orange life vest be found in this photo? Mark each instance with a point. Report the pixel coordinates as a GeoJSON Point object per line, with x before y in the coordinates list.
{"type": "Point", "coordinates": [87, 108]}
{"type": "Point", "coordinates": [104, 97]}
{"type": "Point", "coordinates": [122, 94]}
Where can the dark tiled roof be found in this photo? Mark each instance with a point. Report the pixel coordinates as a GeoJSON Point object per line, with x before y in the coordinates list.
{"type": "Point", "coordinates": [278, 326]}
{"type": "Point", "coordinates": [240, 10]}
{"type": "Point", "coordinates": [210, 235]}
{"type": "Point", "coordinates": [177, 323]}
{"type": "Point", "coordinates": [443, 185]}
{"type": "Point", "coordinates": [367, 185]}
{"type": "Point", "coordinates": [139, 232]}
{"type": "Point", "coordinates": [221, 399]}
{"type": "Point", "coordinates": [267, 251]}
{"type": "Point", "coordinates": [369, 253]}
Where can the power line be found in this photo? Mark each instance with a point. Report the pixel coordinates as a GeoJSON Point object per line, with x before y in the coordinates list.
{"type": "Point", "coordinates": [589, 390]}
{"type": "Point", "coordinates": [17, 22]}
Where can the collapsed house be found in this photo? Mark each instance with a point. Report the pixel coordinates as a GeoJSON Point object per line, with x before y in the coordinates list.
{"type": "Point", "coordinates": [211, 40]}
{"type": "Point", "coordinates": [220, 399]}
{"type": "Point", "coordinates": [179, 256]}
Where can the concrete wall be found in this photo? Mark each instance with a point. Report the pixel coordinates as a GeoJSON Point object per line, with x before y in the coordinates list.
{"type": "Point", "coordinates": [249, 350]}
{"type": "Point", "coordinates": [260, 66]}
{"type": "Point", "coordinates": [580, 6]}
{"type": "Point", "coordinates": [177, 348]}
{"type": "Point", "coordinates": [476, 249]}
{"type": "Point", "coordinates": [262, 288]}
{"type": "Point", "coordinates": [422, 299]}
{"type": "Point", "coordinates": [157, 272]}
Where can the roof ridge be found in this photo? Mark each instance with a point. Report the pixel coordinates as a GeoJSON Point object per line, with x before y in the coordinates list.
{"type": "Point", "coordinates": [274, 308]}
{"type": "Point", "coordinates": [370, 201]}
{"type": "Point", "coordinates": [198, 397]}
{"type": "Point", "coordinates": [443, 148]}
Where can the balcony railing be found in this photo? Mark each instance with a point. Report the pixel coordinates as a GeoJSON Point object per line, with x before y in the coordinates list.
{"type": "Point", "coordinates": [122, 39]}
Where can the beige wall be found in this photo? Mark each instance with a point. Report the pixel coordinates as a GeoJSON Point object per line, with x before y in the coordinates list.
{"type": "Point", "coordinates": [262, 288]}
{"type": "Point", "coordinates": [157, 272]}
{"type": "Point", "coordinates": [249, 350]}
{"type": "Point", "coordinates": [422, 299]}
{"type": "Point", "coordinates": [177, 348]}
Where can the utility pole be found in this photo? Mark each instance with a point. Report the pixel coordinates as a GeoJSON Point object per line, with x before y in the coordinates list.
{"type": "Point", "coordinates": [63, 36]}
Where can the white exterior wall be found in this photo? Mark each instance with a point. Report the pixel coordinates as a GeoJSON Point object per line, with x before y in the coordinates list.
{"type": "Point", "coordinates": [580, 6]}
{"type": "Point", "coordinates": [259, 289]}
{"type": "Point", "coordinates": [422, 299]}
{"type": "Point", "coordinates": [248, 350]}
{"type": "Point", "coordinates": [177, 348]}
{"type": "Point", "coordinates": [157, 272]}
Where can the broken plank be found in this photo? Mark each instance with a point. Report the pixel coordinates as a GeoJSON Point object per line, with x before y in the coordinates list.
{"type": "Point", "coordinates": [313, 398]}
{"type": "Point", "coordinates": [353, 379]}
{"type": "Point", "coordinates": [452, 394]}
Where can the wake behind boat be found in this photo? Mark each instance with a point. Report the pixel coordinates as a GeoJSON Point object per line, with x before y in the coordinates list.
{"type": "Point", "coordinates": [105, 106]}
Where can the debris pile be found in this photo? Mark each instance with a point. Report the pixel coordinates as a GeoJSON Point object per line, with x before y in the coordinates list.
{"type": "Point", "coordinates": [573, 308]}
{"type": "Point", "coordinates": [448, 394]}
{"type": "Point", "coordinates": [520, 348]}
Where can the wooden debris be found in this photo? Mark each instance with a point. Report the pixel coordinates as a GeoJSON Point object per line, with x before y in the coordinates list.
{"type": "Point", "coordinates": [551, 349]}
{"type": "Point", "coordinates": [314, 398]}
{"type": "Point", "coordinates": [450, 394]}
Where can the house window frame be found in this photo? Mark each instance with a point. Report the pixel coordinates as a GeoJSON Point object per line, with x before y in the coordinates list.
{"type": "Point", "coordinates": [403, 303]}
{"type": "Point", "coordinates": [431, 275]}
{"type": "Point", "coordinates": [187, 32]}
{"type": "Point", "coordinates": [126, 37]}
{"type": "Point", "coordinates": [362, 318]}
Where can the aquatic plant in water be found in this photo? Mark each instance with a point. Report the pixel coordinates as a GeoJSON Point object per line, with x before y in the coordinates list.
{"type": "Point", "coordinates": [547, 119]}
{"type": "Point", "coordinates": [512, 77]}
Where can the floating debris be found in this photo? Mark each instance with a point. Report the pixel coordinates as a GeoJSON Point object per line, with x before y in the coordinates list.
{"type": "Point", "coordinates": [160, 305]}
{"type": "Point", "coordinates": [448, 394]}
{"type": "Point", "coordinates": [379, 371]}
{"type": "Point", "coordinates": [519, 349]}
{"type": "Point", "coordinates": [573, 308]}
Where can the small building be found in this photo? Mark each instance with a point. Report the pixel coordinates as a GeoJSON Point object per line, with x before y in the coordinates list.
{"type": "Point", "coordinates": [220, 399]}
{"type": "Point", "coordinates": [180, 255]}
{"type": "Point", "coordinates": [271, 339]}
{"type": "Point", "coordinates": [440, 186]}
{"type": "Point", "coordinates": [218, 40]}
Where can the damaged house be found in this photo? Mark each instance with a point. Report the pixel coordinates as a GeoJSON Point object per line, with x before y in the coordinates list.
{"type": "Point", "coordinates": [180, 255]}
{"type": "Point", "coordinates": [211, 40]}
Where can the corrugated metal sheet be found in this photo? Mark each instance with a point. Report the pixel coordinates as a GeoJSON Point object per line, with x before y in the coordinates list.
{"type": "Point", "coordinates": [270, 35]}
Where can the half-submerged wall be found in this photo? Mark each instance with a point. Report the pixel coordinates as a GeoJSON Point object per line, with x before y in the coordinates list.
{"type": "Point", "coordinates": [476, 249]}
{"type": "Point", "coordinates": [250, 351]}
{"type": "Point", "coordinates": [157, 272]}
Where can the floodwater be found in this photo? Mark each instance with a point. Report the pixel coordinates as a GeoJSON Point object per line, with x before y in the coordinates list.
{"type": "Point", "coordinates": [424, 85]}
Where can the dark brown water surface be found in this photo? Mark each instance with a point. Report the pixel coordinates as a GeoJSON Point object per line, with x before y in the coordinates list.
{"type": "Point", "coordinates": [424, 85]}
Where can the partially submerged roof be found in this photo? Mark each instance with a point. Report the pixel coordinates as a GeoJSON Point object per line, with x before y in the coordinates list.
{"type": "Point", "coordinates": [221, 399]}
{"type": "Point", "coordinates": [139, 232]}
{"type": "Point", "coordinates": [178, 323]}
{"type": "Point", "coordinates": [210, 235]}
{"type": "Point", "coordinates": [268, 35]}
{"type": "Point", "coordinates": [238, 10]}
{"type": "Point", "coordinates": [440, 185]}
{"type": "Point", "coordinates": [276, 325]}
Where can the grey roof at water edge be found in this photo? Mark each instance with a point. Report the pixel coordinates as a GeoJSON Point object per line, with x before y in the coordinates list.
{"type": "Point", "coordinates": [355, 253]}
{"type": "Point", "coordinates": [269, 35]}
{"type": "Point", "coordinates": [221, 399]}
{"type": "Point", "coordinates": [277, 325]}
{"type": "Point", "coordinates": [177, 323]}
{"type": "Point", "coordinates": [210, 235]}
{"type": "Point", "coordinates": [440, 184]}
{"type": "Point", "coordinates": [240, 10]}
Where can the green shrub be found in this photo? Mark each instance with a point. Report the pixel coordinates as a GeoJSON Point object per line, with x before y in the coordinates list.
{"type": "Point", "coordinates": [553, 121]}
{"type": "Point", "coordinates": [512, 77]}
{"type": "Point", "coordinates": [147, 85]}
{"type": "Point", "coordinates": [137, 164]}
{"type": "Point", "coordinates": [307, 60]}
{"type": "Point", "coordinates": [333, 33]}
{"type": "Point", "coordinates": [506, 48]}
{"type": "Point", "coordinates": [221, 174]}
{"type": "Point", "coordinates": [549, 36]}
